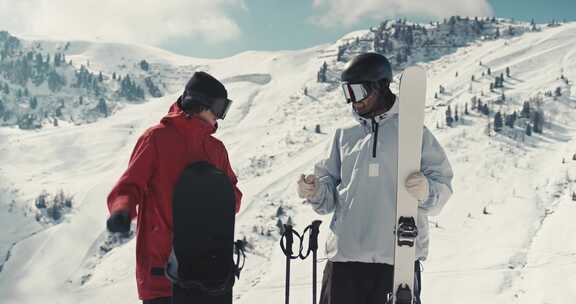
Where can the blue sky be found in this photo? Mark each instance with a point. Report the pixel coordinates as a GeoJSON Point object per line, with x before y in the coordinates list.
{"type": "Point", "coordinates": [221, 28]}
{"type": "Point", "coordinates": [281, 24]}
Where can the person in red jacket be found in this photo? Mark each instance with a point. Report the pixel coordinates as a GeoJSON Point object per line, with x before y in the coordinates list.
{"type": "Point", "coordinates": [144, 191]}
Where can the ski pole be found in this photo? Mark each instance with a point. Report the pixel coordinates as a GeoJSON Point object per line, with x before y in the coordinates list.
{"type": "Point", "coordinates": [313, 245]}
{"type": "Point", "coordinates": [288, 238]}
{"type": "Point", "coordinates": [289, 241]}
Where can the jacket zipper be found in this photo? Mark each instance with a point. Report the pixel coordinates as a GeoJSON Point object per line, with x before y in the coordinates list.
{"type": "Point", "coordinates": [375, 138]}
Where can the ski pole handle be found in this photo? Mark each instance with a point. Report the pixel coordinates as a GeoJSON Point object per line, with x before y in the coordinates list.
{"type": "Point", "coordinates": [287, 240]}
{"type": "Point", "coordinates": [314, 231]}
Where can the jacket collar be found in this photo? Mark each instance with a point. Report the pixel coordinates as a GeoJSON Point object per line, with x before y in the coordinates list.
{"type": "Point", "coordinates": [380, 119]}
{"type": "Point", "coordinates": [187, 124]}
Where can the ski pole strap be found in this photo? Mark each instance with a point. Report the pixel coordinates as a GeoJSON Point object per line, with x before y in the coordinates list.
{"type": "Point", "coordinates": [314, 230]}
{"type": "Point", "coordinates": [287, 241]}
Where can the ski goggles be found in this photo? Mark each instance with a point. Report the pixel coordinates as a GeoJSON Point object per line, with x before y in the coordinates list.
{"type": "Point", "coordinates": [219, 106]}
{"type": "Point", "coordinates": [356, 92]}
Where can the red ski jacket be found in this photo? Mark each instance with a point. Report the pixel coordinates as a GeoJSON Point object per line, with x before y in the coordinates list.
{"type": "Point", "coordinates": [145, 189]}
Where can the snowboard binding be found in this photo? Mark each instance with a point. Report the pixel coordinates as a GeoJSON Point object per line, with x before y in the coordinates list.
{"type": "Point", "coordinates": [213, 287]}
{"type": "Point", "coordinates": [407, 231]}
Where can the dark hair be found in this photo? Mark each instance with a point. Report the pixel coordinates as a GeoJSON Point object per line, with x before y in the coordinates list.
{"type": "Point", "coordinates": [191, 108]}
{"type": "Point", "coordinates": [196, 108]}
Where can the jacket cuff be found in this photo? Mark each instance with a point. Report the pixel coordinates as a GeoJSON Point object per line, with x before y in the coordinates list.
{"type": "Point", "coordinates": [122, 202]}
{"type": "Point", "coordinates": [432, 196]}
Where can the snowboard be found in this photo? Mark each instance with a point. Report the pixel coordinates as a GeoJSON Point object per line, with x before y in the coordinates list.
{"type": "Point", "coordinates": [412, 97]}
{"type": "Point", "coordinates": [201, 265]}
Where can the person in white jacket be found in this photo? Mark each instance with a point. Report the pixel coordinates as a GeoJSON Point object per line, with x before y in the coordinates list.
{"type": "Point", "coordinates": [357, 181]}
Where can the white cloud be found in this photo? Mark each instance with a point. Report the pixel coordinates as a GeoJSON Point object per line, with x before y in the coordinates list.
{"type": "Point", "coordinates": [143, 21]}
{"type": "Point", "coordinates": [348, 12]}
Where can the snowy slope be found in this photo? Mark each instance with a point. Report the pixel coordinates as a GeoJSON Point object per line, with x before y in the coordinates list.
{"type": "Point", "coordinates": [521, 252]}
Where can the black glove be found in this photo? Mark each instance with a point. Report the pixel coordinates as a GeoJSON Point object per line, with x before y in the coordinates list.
{"type": "Point", "coordinates": [119, 221]}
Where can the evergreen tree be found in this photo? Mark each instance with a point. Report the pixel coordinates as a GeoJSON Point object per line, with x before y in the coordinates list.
{"type": "Point", "coordinates": [39, 62]}
{"type": "Point", "coordinates": [511, 31]}
{"type": "Point", "coordinates": [33, 102]}
{"type": "Point", "coordinates": [152, 88]}
{"type": "Point", "coordinates": [510, 120]}
{"type": "Point", "coordinates": [280, 226]}
{"type": "Point", "coordinates": [558, 92]}
{"type": "Point", "coordinates": [280, 211]}
{"type": "Point", "coordinates": [340, 54]}
{"type": "Point", "coordinates": [398, 57]}
{"type": "Point", "coordinates": [485, 109]}
{"type": "Point", "coordinates": [498, 122]}
{"type": "Point", "coordinates": [528, 130]}
{"type": "Point", "coordinates": [449, 119]}
{"type": "Point", "coordinates": [322, 72]}
{"type": "Point", "coordinates": [508, 72]}
{"type": "Point", "coordinates": [47, 63]}
{"type": "Point", "coordinates": [57, 59]}
{"type": "Point", "coordinates": [130, 90]}
{"type": "Point", "coordinates": [144, 65]}
{"type": "Point", "coordinates": [538, 122]}
{"type": "Point", "coordinates": [102, 107]}
{"type": "Point", "coordinates": [525, 110]}
{"type": "Point", "coordinates": [55, 81]}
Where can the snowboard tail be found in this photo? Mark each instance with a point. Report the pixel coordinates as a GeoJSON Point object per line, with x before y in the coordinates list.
{"type": "Point", "coordinates": [201, 266]}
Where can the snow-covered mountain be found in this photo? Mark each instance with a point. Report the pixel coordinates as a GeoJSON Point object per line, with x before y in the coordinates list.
{"type": "Point", "coordinates": [503, 237]}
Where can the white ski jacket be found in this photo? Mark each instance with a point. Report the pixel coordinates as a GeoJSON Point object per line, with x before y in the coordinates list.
{"type": "Point", "coordinates": [357, 181]}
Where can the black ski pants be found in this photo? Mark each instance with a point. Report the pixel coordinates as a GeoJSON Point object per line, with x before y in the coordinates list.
{"type": "Point", "coordinates": [361, 283]}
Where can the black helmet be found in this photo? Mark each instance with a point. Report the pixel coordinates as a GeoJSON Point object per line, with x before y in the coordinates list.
{"type": "Point", "coordinates": [367, 67]}
{"type": "Point", "coordinates": [364, 74]}
{"type": "Point", "coordinates": [205, 90]}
